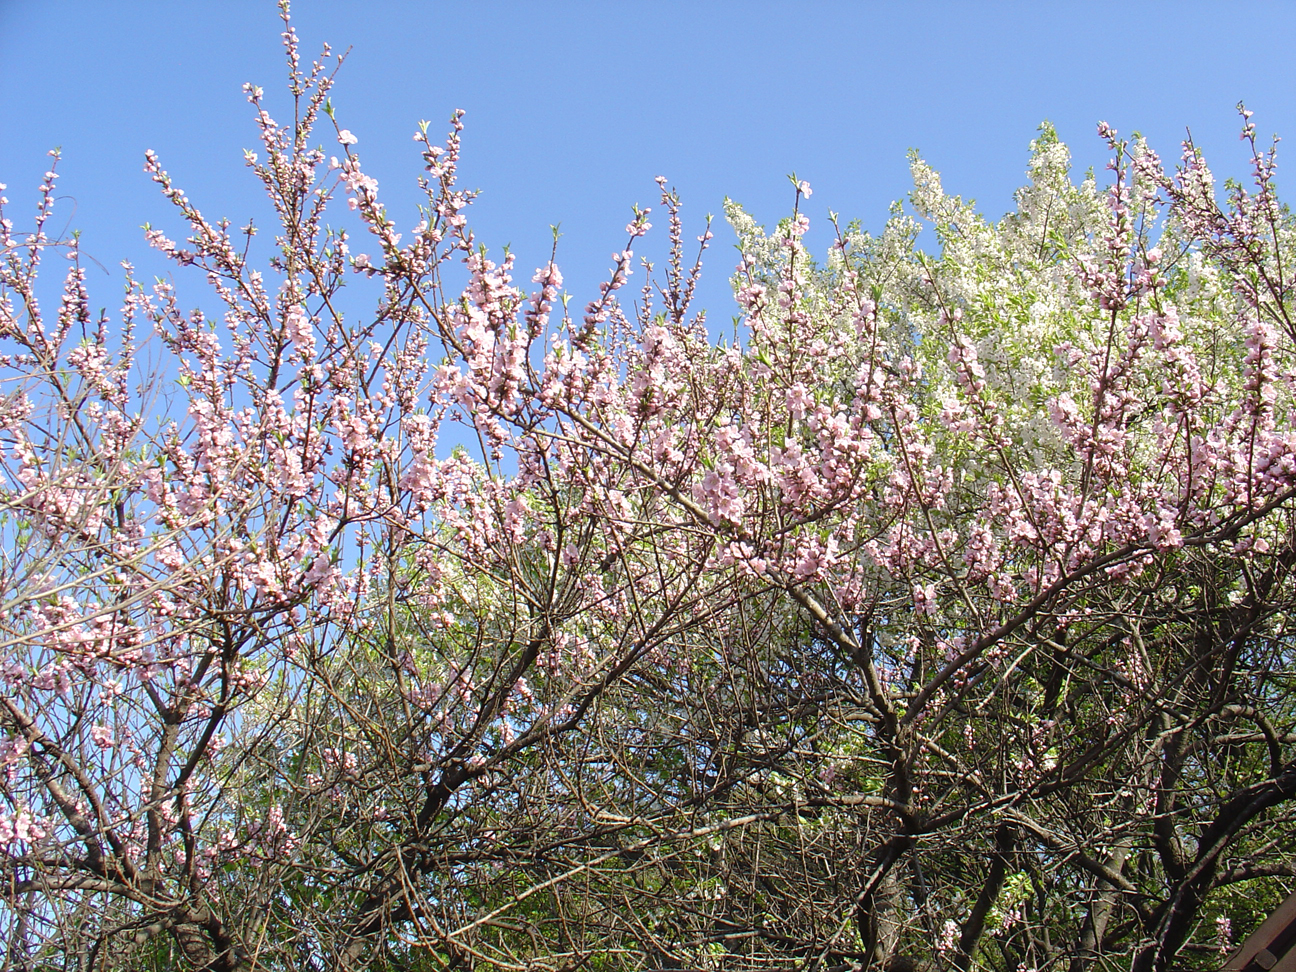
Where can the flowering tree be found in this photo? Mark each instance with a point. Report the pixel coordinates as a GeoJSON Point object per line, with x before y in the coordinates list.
{"type": "Point", "coordinates": [938, 615]}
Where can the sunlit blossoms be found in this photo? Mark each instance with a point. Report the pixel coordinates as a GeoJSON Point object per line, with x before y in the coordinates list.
{"type": "Point", "coordinates": [937, 612]}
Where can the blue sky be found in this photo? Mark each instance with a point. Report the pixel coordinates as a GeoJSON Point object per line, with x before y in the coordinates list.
{"type": "Point", "coordinates": [573, 108]}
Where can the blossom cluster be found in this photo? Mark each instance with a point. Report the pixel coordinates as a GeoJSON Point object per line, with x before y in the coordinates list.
{"type": "Point", "coordinates": [508, 510]}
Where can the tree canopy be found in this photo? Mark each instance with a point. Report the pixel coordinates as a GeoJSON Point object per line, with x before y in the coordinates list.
{"type": "Point", "coordinates": [935, 615]}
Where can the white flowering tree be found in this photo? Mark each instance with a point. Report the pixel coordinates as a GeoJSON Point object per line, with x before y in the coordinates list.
{"type": "Point", "coordinates": [937, 616]}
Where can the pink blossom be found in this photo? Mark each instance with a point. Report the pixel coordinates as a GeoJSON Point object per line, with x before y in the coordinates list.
{"type": "Point", "coordinates": [103, 737]}
{"type": "Point", "coordinates": [20, 826]}
{"type": "Point", "coordinates": [924, 597]}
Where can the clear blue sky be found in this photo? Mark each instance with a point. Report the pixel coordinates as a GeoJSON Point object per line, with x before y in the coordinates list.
{"type": "Point", "coordinates": [573, 108]}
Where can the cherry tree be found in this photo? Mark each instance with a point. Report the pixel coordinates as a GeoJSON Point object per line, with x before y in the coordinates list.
{"type": "Point", "coordinates": [935, 616]}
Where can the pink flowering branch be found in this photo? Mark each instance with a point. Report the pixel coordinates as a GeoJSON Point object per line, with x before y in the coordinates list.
{"type": "Point", "coordinates": [484, 624]}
